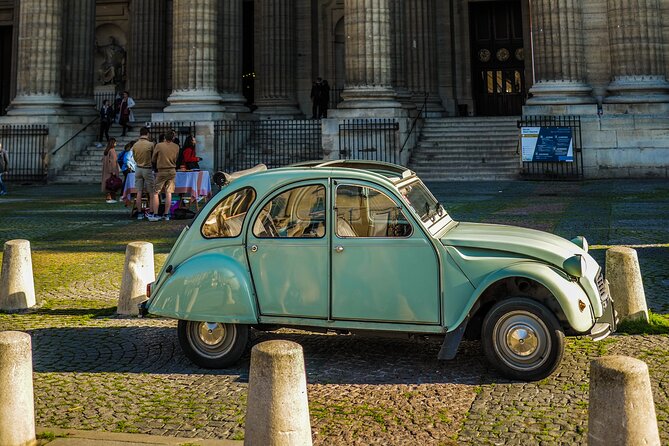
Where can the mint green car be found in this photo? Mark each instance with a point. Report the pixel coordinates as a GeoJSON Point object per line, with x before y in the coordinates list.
{"type": "Point", "coordinates": [360, 246]}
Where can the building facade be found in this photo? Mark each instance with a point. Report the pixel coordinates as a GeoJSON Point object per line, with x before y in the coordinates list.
{"type": "Point", "coordinates": [604, 61]}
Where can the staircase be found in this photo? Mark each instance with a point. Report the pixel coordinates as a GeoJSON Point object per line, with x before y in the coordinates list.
{"type": "Point", "coordinates": [86, 167]}
{"type": "Point", "coordinates": [467, 149]}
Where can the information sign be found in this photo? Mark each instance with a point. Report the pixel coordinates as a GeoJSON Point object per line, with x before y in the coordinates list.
{"type": "Point", "coordinates": [547, 144]}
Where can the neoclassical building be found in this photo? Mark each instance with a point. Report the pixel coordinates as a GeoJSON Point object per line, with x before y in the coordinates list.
{"type": "Point", "coordinates": [604, 61]}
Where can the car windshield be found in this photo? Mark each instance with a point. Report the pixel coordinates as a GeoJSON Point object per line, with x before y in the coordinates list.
{"type": "Point", "coordinates": [419, 198]}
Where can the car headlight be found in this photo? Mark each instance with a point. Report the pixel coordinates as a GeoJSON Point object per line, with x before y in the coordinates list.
{"type": "Point", "coordinates": [575, 266]}
{"type": "Point", "coordinates": [581, 242]}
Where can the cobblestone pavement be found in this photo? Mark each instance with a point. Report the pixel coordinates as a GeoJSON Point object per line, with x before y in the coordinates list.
{"type": "Point", "coordinates": [97, 371]}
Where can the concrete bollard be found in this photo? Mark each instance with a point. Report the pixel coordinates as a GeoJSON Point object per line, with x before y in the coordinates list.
{"type": "Point", "coordinates": [17, 412]}
{"type": "Point", "coordinates": [278, 409]}
{"type": "Point", "coordinates": [137, 273]}
{"type": "Point", "coordinates": [625, 284]}
{"type": "Point", "coordinates": [621, 403]}
{"type": "Point", "coordinates": [17, 286]}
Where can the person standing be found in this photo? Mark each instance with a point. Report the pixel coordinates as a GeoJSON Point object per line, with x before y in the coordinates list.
{"type": "Point", "coordinates": [109, 169]}
{"type": "Point", "coordinates": [4, 168]}
{"type": "Point", "coordinates": [165, 162]}
{"type": "Point", "coordinates": [316, 100]}
{"type": "Point", "coordinates": [142, 152]}
{"type": "Point", "coordinates": [106, 118]}
{"type": "Point", "coordinates": [126, 162]}
{"type": "Point", "coordinates": [125, 114]}
{"type": "Point", "coordinates": [325, 99]}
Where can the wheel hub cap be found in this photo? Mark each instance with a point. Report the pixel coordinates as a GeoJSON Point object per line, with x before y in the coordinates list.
{"type": "Point", "coordinates": [211, 333]}
{"type": "Point", "coordinates": [522, 340]}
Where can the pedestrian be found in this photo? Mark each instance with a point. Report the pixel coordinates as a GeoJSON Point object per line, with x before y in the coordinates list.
{"type": "Point", "coordinates": [110, 171]}
{"type": "Point", "coordinates": [126, 162]}
{"type": "Point", "coordinates": [316, 100]}
{"type": "Point", "coordinates": [4, 168]}
{"type": "Point", "coordinates": [142, 152]}
{"type": "Point", "coordinates": [165, 162]}
{"type": "Point", "coordinates": [125, 114]}
{"type": "Point", "coordinates": [325, 99]}
{"type": "Point", "coordinates": [106, 119]}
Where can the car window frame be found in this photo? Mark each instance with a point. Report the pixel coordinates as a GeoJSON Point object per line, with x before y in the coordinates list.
{"type": "Point", "coordinates": [408, 216]}
{"type": "Point", "coordinates": [250, 209]}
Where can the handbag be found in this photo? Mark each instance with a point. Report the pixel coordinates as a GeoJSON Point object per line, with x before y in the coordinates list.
{"type": "Point", "coordinates": [113, 183]}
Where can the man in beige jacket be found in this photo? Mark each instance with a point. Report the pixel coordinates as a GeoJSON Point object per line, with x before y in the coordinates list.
{"type": "Point", "coordinates": [165, 161]}
{"type": "Point", "coordinates": [142, 151]}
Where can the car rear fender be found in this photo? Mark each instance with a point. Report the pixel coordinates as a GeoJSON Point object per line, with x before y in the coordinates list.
{"type": "Point", "coordinates": [209, 287]}
{"type": "Point", "coordinates": [567, 293]}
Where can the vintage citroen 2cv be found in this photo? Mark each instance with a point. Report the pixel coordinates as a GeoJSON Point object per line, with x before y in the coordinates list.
{"type": "Point", "coordinates": [355, 246]}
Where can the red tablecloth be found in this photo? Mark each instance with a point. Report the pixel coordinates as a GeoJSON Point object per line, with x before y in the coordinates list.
{"type": "Point", "coordinates": [196, 184]}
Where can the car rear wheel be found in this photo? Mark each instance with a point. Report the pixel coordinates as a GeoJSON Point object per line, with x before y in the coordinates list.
{"type": "Point", "coordinates": [212, 345]}
{"type": "Point", "coordinates": [522, 339]}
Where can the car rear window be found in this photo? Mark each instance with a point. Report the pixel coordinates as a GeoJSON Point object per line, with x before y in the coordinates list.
{"type": "Point", "coordinates": [227, 218]}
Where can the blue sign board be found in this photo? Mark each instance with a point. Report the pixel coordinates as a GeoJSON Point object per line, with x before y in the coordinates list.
{"type": "Point", "coordinates": [552, 144]}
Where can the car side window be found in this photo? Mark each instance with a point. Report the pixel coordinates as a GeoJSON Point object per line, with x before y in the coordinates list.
{"type": "Point", "coordinates": [227, 219]}
{"type": "Point", "coordinates": [296, 213]}
{"type": "Point", "coordinates": [363, 211]}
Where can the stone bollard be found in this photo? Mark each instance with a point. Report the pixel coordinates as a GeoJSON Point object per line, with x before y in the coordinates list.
{"type": "Point", "coordinates": [278, 410]}
{"type": "Point", "coordinates": [137, 273]}
{"type": "Point", "coordinates": [621, 403]}
{"type": "Point", "coordinates": [17, 287]}
{"type": "Point", "coordinates": [17, 412]}
{"type": "Point", "coordinates": [625, 284]}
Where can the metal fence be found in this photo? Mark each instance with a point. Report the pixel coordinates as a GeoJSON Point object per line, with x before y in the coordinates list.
{"type": "Point", "coordinates": [26, 149]}
{"type": "Point", "coordinates": [555, 170]}
{"type": "Point", "coordinates": [240, 145]}
{"type": "Point", "coordinates": [182, 129]}
{"type": "Point", "coordinates": [369, 139]}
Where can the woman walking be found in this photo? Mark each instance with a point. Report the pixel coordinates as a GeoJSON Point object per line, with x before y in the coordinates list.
{"type": "Point", "coordinates": [110, 171]}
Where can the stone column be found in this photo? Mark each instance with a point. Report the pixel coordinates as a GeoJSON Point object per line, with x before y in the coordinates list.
{"type": "Point", "coordinates": [275, 84]}
{"type": "Point", "coordinates": [558, 53]}
{"type": "Point", "coordinates": [369, 65]}
{"type": "Point", "coordinates": [78, 61]}
{"type": "Point", "coordinates": [39, 59]}
{"type": "Point", "coordinates": [421, 60]}
{"type": "Point", "coordinates": [397, 31]}
{"type": "Point", "coordinates": [230, 37]}
{"type": "Point", "coordinates": [147, 64]}
{"type": "Point", "coordinates": [195, 58]}
{"type": "Point", "coordinates": [637, 59]}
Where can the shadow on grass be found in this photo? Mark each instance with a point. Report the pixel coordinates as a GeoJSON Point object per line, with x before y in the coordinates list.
{"type": "Point", "coordinates": [658, 324]}
{"type": "Point", "coordinates": [92, 312]}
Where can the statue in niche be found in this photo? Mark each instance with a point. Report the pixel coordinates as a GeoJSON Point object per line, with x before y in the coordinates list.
{"type": "Point", "coordinates": [112, 68]}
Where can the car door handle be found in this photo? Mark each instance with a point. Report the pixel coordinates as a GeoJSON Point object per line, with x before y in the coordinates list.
{"type": "Point", "coordinates": [339, 248]}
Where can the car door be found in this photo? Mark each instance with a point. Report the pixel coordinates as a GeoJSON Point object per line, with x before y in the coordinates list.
{"type": "Point", "coordinates": [288, 252]}
{"type": "Point", "coordinates": [384, 268]}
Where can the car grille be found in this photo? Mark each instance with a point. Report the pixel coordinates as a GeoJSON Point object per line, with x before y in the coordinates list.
{"type": "Point", "coordinates": [602, 288]}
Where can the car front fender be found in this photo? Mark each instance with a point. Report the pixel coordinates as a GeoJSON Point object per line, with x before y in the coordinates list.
{"type": "Point", "coordinates": [566, 292]}
{"type": "Point", "coordinates": [210, 287]}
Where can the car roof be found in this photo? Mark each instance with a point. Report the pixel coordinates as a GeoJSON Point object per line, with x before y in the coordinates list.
{"type": "Point", "coordinates": [360, 169]}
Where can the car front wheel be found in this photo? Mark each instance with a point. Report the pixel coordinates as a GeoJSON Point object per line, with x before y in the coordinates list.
{"type": "Point", "coordinates": [522, 339]}
{"type": "Point", "coordinates": [212, 345]}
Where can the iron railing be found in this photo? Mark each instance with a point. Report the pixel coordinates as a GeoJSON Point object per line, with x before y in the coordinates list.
{"type": "Point", "coordinates": [369, 139]}
{"type": "Point", "coordinates": [101, 96]}
{"type": "Point", "coordinates": [240, 145]}
{"type": "Point", "coordinates": [555, 170]}
{"type": "Point", "coordinates": [182, 129]}
{"type": "Point", "coordinates": [26, 150]}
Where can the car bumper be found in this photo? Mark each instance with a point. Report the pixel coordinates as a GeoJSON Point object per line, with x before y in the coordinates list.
{"type": "Point", "coordinates": [606, 324]}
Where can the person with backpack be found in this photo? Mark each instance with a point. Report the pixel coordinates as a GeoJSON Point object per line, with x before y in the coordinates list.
{"type": "Point", "coordinates": [4, 168]}
{"type": "Point", "coordinates": [126, 162]}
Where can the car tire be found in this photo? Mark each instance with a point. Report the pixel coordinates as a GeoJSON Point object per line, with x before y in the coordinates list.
{"type": "Point", "coordinates": [212, 345]}
{"type": "Point", "coordinates": [522, 339]}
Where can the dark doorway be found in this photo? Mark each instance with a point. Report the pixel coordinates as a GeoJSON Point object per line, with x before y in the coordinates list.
{"type": "Point", "coordinates": [248, 71]}
{"type": "Point", "coordinates": [5, 67]}
{"type": "Point", "coordinates": [498, 61]}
